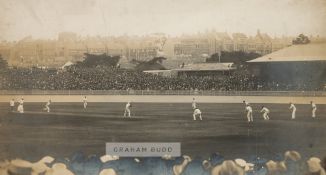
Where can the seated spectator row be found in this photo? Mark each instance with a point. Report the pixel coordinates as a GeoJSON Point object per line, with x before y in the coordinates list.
{"type": "Point", "coordinates": [103, 78]}
{"type": "Point", "coordinates": [79, 164]}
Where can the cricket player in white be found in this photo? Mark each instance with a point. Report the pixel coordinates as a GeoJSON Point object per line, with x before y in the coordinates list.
{"type": "Point", "coordinates": [265, 112]}
{"type": "Point", "coordinates": [12, 105]}
{"type": "Point", "coordinates": [197, 112]}
{"type": "Point", "coordinates": [127, 110]}
{"type": "Point", "coordinates": [85, 102]}
{"type": "Point", "coordinates": [249, 113]}
{"type": "Point", "coordinates": [293, 108]}
{"type": "Point", "coordinates": [193, 105]}
{"type": "Point", "coordinates": [47, 106]}
{"type": "Point", "coordinates": [313, 109]}
{"type": "Point", "coordinates": [20, 108]}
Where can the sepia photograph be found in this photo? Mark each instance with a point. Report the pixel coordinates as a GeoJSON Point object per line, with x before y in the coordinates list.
{"type": "Point", "coordinates": [162, 87]}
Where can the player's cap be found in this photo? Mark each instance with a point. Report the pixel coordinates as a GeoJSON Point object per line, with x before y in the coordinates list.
{"type": "Point", "coordinates": [206, 164]}
{"type": "Point", "coordinates": [59, 166]}
{"type": "Point", "coordinates": [227, 167]}
{"type": "Point", "coordinates": [314, 164]}
{"type": "Point", "coordinates": [292, 155]}
{"type": "Point", "coordinates": [240, 162]}
{"type": "Point", "coordinates": [136, 160]}
{"type": "Point", "coordinates": [167, 157]}
{"type": "Point", "coordinates": [243, 164]}
{"type": "Point", "coordinates": [187, 158]}
{"type": "Point", "coordinates": [47, 159]}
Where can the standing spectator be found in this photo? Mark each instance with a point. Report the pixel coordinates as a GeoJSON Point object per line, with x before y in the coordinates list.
{"type": "Point", "coordinates": [314, 167]}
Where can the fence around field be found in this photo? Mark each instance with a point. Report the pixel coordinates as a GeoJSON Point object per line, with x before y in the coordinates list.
{"type": "Point", "coordinates": [164, 92]}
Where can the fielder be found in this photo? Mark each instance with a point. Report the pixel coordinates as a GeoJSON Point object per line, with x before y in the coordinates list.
{"type": "Point", "coordinates": [294, 109]}
{"type": "Point", "coordinates": [265, 112]}
{"type": "Point", "coordinates": [197, 112]}
{"type": "Point", "coordinates": [127, 109]}
{"type": "Point", "coordinates": [85, 102]}
{"type": "Point", "coordinates": [20, 107]}
{"type": "Point", "coordinates": [12, 105]}
{"type": "Point", "coordinates": [249, 113]}
{"type": "Point", "coordinates": [313, 109]}
{"type": "Point", "coordinates": [193, 104]}
{"type": "Point", "coordinates": [47, 106]}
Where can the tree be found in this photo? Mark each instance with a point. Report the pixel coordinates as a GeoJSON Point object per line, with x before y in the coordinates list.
{"type": "Point", "coordinates": [3, 63]}
{"type": "Point", "coordinates": [301, 39]}
{"type": "Point", "coordinates": [92, 60]}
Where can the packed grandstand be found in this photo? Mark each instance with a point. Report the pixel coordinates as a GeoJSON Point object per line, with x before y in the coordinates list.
{"type": "Point", "coordinates": [103, 78]}
{"type": "Point", "coordinates": [295, 68]}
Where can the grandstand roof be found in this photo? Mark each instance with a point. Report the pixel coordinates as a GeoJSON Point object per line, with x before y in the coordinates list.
{"type": "Point", "coordinates": [207, 67]}
{"type": "Point", "coordinates": [300, 52]}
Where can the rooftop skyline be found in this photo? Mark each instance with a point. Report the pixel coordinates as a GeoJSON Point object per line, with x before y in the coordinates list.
{"type": "Point", "coordinates": [47, 18]}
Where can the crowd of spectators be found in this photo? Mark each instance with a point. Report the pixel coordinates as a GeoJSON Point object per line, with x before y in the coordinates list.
{"type": "Point", "coordinates": [103, 78]}
{"type": "Point", "coordinates": [291, 163]}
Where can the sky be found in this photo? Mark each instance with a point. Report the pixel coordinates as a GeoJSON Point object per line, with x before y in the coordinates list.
{"type": "Point", "coordinates": [46, 18]}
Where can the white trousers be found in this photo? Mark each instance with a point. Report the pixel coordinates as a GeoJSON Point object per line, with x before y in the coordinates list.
{"type": "Point", "coordinates": [20, 109]}
{"type": "Point", "coordinates": [249, 116]}
{"type": "Point", "coordinates": [293, 114]}
{"type": "Point", "coordinates": [313, 112]}
{"type": "Point", "coordinates": [265, 115]}
{"type": "Point", "coordinates": [127, 111]}
{"type": "Point", "coordinates": [47, 108]}
{"type": "Point", "coordinates": [195, 114]}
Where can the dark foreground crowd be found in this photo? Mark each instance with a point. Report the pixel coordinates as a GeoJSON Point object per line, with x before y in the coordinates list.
{"type": "Point", "coordinates": [100, 78]}
{"type": "Point", "coordinates": [291, 163]}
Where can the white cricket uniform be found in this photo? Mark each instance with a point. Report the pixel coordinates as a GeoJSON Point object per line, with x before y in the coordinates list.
{"type": "Point", "coordinates": [85, 102]}
{"type": "Point", "coordinates": [47, 106]}
{"type": "Point", "coordinates": [193, 105]}
{"type": "Point", "coordinates": [127, 110]}
{"type": "Point", "coordinates": [249, 114]}
{"type": "Point", "coordinates": [20, 107]}
{"type": "Point", "coordinates": [314, 108]}
{"type": "Point", "coordinates": [294, 109]}
{"type": "Point", "coordinates": [197, 112]}
{"type": "Point", "coordinates": [265, 113]}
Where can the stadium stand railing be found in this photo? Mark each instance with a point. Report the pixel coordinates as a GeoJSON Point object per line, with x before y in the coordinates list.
{"type": "Point", "coordinates": [163, 92]}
